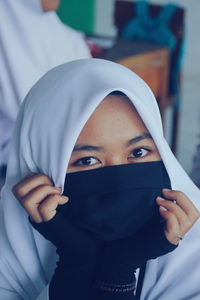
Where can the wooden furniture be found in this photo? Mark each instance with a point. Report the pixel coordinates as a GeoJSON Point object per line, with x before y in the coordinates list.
{"type": "Point", "coordinates": [124, 11]}
{"type": "Point", "coordinates": [147, 60]}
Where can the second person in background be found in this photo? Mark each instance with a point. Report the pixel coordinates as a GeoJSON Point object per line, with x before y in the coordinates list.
{"type": "Point", "coordinates": [32, 41]}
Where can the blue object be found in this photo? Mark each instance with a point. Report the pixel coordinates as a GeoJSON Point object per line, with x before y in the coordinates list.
{"type": "Point", "coordinates": [156, 30]}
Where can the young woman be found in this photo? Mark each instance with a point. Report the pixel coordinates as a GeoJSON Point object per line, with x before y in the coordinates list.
{"type": "Point", "coordinates": [94, 179]}
{"type": "Point", "coordinates": [32, 41]}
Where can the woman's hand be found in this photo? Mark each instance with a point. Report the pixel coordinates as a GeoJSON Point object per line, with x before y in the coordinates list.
{"type": "Point", "coordinates": [179, 214]}
{"type": "Point", "coordinates": [153, 240]}
{"type": "Point", "coordinates": [77, 250]}
{"type": "Point", "coordinates": [39, 197]}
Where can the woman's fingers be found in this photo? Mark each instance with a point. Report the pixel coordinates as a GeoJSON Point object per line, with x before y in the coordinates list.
{"type": "Point", "coordinates": [33, 199]}
{"type": "Point", "coordinates": [47, 208]}
{"type": "Point", "coordinates": [38, 194]}
{"type": "Point", "coordinates": [172, 207]}
{"type": "Point", "coordinates": [28, 183]}
{"type": "Point", "coordinates": [180, 214]}
{"type": "Point", "coordinates": [33, 191]}
{"type": "Point", "coordinates": [172, 230]}
{"type": "Point", "coordinates": [183, 201]}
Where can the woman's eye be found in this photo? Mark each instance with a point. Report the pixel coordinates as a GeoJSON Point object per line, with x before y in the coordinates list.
{"type": "Point", "coordinates": [86, 161]}
{"type": "Point", "coordinates": [140, 152]}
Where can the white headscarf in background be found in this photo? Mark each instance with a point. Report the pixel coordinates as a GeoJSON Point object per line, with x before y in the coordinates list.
{"type": "Point", "coordinates": [31, 43]}
{"type": "Point", "coordinates": [49, 122]}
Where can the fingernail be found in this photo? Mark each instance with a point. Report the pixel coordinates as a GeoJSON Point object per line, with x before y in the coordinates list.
{"type": "Point", "coordinates": [160, 198]}
{"type": "Point", "coordinates": [65, 197]}
{"type": "Point", "coordinates": [162, 208]}
{"type": "Point", "coordinates": [166, 190]}
{"type": "Point", "coordinates": [57, 188]}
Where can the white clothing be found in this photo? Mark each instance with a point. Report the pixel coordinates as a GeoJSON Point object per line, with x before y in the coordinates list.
{"type": "Point", "coordinates": [195, 172]}
{"type": "Point", "coordinates": [49, 122]}
{"type": "Point", "coordinates": [31, 43]}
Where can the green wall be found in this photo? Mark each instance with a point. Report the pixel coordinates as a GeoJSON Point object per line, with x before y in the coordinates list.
{"type": "Point", "coordinates": [79, 14]}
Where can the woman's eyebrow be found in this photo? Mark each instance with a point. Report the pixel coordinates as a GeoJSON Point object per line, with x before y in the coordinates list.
{"type": "Point", "coordinates": [134, 140]}
{"type": "Point", "coordinates": [87, 148]}
{"type": "Point", "coordinates": [138, 139]}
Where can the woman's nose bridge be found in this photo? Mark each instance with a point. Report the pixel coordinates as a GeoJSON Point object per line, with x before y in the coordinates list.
{"type": "Point", "coordinates": [115, 159]}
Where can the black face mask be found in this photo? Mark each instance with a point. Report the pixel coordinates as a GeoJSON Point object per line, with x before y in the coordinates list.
{"type": "Point", "coordinates": [116, 201]}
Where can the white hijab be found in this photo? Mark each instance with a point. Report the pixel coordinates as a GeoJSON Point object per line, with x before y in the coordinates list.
{"type": "Point", "coordinates": [31, 43]}
{"type": "Point", "coordinates": [48, 124]}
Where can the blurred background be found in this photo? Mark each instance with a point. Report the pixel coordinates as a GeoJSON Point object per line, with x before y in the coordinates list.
{"type": "Point", "coordinates": [97, 17]}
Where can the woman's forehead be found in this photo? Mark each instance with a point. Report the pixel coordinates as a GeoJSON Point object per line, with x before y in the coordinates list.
{"type": "Point", "coordinates": [115, 104]}
{"type": "Point", "coordinates": [115, 117]}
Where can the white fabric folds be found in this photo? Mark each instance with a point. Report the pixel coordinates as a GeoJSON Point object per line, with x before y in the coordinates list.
{"type": "Point", "coordinates": [31, 43]}
{"type": "Point", "coordinates": [48, 124]}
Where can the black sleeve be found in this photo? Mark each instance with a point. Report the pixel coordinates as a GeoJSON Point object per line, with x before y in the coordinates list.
{"type": "Point", "coordinates": [78, 253]}
{"type": "Point", "coordinates": [71, 283]}
{"type": "Point", "coordinates": [114, 277]}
